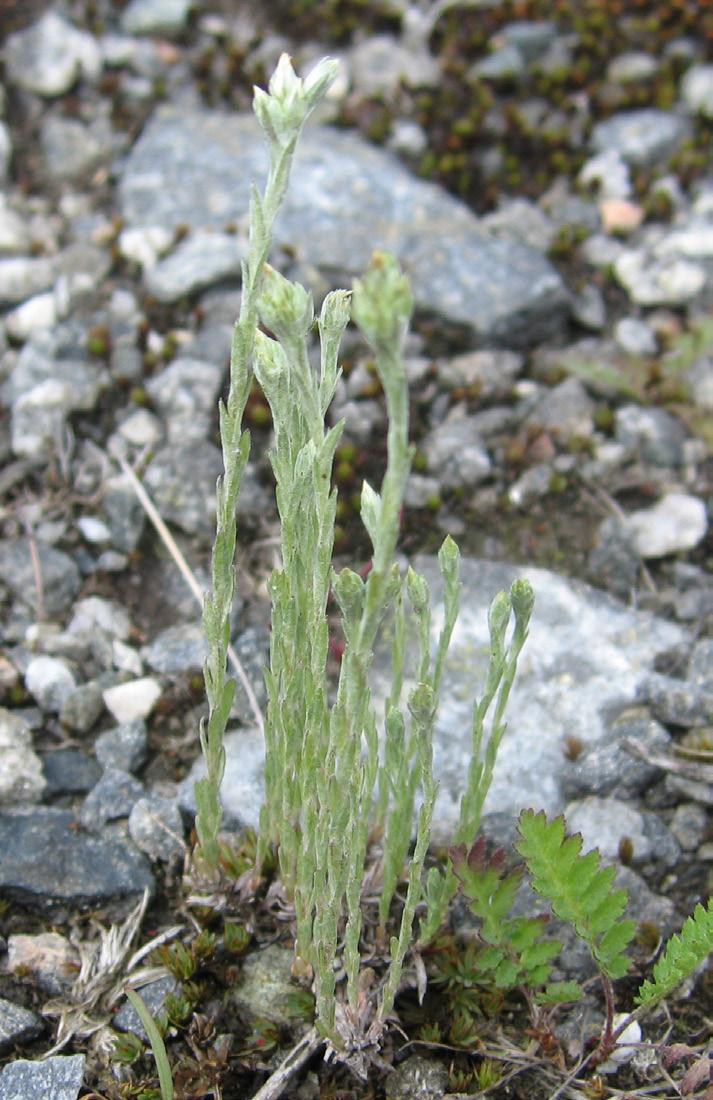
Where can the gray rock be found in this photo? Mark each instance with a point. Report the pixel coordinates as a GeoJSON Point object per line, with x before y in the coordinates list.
{"type": "Point", "coordinates": [644, 904]}
{"type": "Point", "coordinates": [676, 522]}
{"type": "Point", "coordinates": [176, 650]}
{"type": "Point", "coordinates": [504, 64]}
{"type": "Point", "coordinates": [662, 281]}
{"type": "Point", "coordinates": [632, 67]}
{"type": "Point", "coordinates": [111, 799]}
{"type": "Point", "coordinates": [32, 316]}
{"type": "Point", "coordinates": [589, 308]}
{"type": "Point", "coordinates": [123, 747]}
{"type": "Point", "coordinates": [242, 788]}
{"type": "Point", "coordinates": [39, 419]}
{"type": "Point", "coordinates": [456, 454]}
{"type": "Point", "coordinates": [689, 825]}
{"type": "Point", "coordinates": [181, 480]}
{"type": "Point", "coordinates": [156, 828]}
{"type": "Point", "coordinates": [417, 1079]}
{"type": "Point", "coordinates": [380, 63]}
{"type": "Point", "coordinates": [421, 491]}
{"type": "Point", "coordinates": [21, 778]}
{"type": "Point", "coordinates": [60, 576]}
{"type": "Point", "coordinates": [692, 239]}
{"type": "Point", "coordinates": [70, 149]}
{"type": "Point", "coordinates": [45, 861]}
{"type": "Point", "coordinates": [651, 434]}
{"type": "Point", "coordinates": [50, 681]}
{"type": "Point", "coordinates": [186, 395]}
{"type": "Point", "coordinates": [41, 361]}
{"type": "Point", "coordinates": [614, 563]}
{"type": "Point", "coordinates": [608, 767]}
{"type": "Point", "coordinates": [59, 1077]}
{"type": "Point", "coordinates": [609, 174]}
{"type": "Point", "coordinates": [70, 771]}
{"type": "Point", "coordinates": [346, 198]}
{"type": "Point", "coordinates": [490, 373]}
{"type": "Point", "coordinates": [50, 55]}
{"type": "Point", "coordinates": [700, 666]}
{"type": "Point", "coordinates": [532, 38]}
{"type": "Point", "coordinates": [21, 277]}
{"type": "Point", "coordinates": [154, 996]}
{"type": "Point", "coordinates": [123, 513]}
{"type": "Point", "coordinates": [166, 17]}
{"type": "Point", "coordinates": [82, 707]}
{"type": "Point", "coordinates": [606, 822]}
{"type": "Point", "coordinates": [14, 232]}
{"type": "Point", "coordinates": [641, 137]}
{"type": "Point", "coordinates": [677, 702]}
{"type": "Point", "coordinates": [133, 699]}
{"type": "Point", "coordinates": [199, 261]}
{"type": "Point", "coordinates": [586, 657]}
{"type": "Point", "coordinates": [697, 90]}
{"type": "Point", "coordinates": [17, 1025]}
{"type": "Point", "coordinates": [265, 986]}
{"type": "Point", "coordinates": [566, 410]}
{"type": "Point", "coordinates": [635, 337]}
{"type": "Point", "coordinates": [94, 614]}
{"type": "Point", "coordinates": [521, 221]}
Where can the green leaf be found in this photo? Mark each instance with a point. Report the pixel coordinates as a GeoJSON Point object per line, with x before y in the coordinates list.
{"type": "Point", "coordinates": [683, 954]}
{"type": "Point", "coordinates": [158, 1047]}
{"type": "Point", "coordinates": [578, 890]}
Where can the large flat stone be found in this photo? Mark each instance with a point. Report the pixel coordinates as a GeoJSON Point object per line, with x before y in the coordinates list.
{"type": "Point", "coordinates": [346, 198]}
{"type": "Point", "coordinates": [46, 858]}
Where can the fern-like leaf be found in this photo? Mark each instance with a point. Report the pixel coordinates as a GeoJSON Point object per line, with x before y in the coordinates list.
{"type": "Point", "coordinates": [683, 953]}
{"type": "Point", "coordinates": [514, 953]}
{"type": "Point", "coordinates": [577, 888]}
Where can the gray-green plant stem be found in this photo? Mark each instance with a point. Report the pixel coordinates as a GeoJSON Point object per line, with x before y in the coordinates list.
{"type": "Point", "coordinates": [281, 114]}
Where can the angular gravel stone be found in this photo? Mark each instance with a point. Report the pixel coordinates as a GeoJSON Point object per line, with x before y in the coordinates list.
{"type": "Point", "coordinates": [60, 576]}
{"type": "Point", "coordinates": [456, 454]}
{"type": "Point", "coordinates": [113, 797]}
{"type": "Point", "coordinates": [50, 55]}
{"type": "Point", "coordinates": [50, 681]}
{"type": "Point", "coordinates": [181, 479]}
{"type": "Point", "coordinates": [417, 1078]}
{"type": "Point", "coordinates": [689, 825]}
{"type": "Point", "coordinates": [154, 995]}
{"type": "Point", "coordinates": [186, 396]}
{"type": "Point", "coordinates": [70, 771]}
{"type": "Point", "coordinates": [17, 1025]}
{"type": "Point", "coordinates": [135, 699]}
{"type": "Point", "coordinates": [667, 281]}
{"type": "Point", "coordinates": [124, 747]}
{"type": "Point", "coordinates": [641, 137]}
{"type": "Point", "coordinates": [32, 316]}
{"type": "Point", "coordinates": [604, 823]}
{"type": "Point", "coordinates": [609, 767]}
{"type": "Point", "coordinates": [21, 778]}
{"type": "Point", "coordinates": [677, 702]}
{"type": "Point", "coordinates": [50, 959]}
{"type": "Point", "coordinates": [70, 149]}
{"type": "Point", "coordinates": [45, 860]}
{"type": "Point", "coordinates": [156, 828]}
{"type": "Point", "coordinates": [198, 262]}
{"type": "Point", "coordinates": [676, 522]}
{"type": "Point", "coordinates": [155, 16]}
{"type": "Point", "coordinates": [176, 650]}
{"type": "Point", "coordinates": [346, 198]}
{"type": "Point", "coordinates": [653, 435]}
{"type": "Point", "coordinates": [82, 707]}
{"type": "Point", "coordinates": [700, 666]}
{"type": "Point", "coordinates": [59, 1078]}
{"type": "Point", "coordinates": [21, 278]}
{"type": "Point", "coordinates": [697, 90]}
